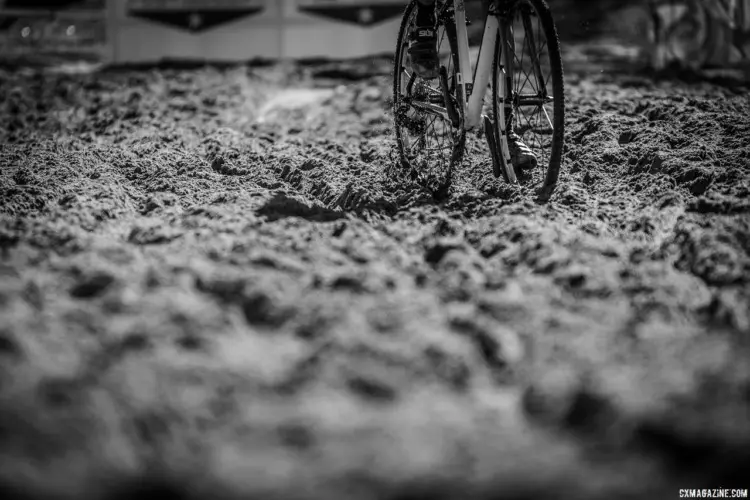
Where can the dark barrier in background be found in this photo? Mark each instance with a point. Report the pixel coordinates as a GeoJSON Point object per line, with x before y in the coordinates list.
{"type": "Point", "coordinates": [73, 27]}
{"type": "Point", "coordinates": [51, 4]}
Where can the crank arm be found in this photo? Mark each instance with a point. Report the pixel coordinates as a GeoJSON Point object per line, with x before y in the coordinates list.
{"type": "Point", "coordinates": [434, 109]}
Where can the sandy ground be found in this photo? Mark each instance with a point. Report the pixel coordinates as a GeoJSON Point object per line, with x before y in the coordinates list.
{"type": "Point", "coordinates": [214, 284]}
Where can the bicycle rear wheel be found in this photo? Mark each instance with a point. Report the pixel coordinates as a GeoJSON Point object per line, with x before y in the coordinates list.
{"type": "Point", "coordinates": [428, 142]}
{"type": "Point", "coordinates": [535, 101]}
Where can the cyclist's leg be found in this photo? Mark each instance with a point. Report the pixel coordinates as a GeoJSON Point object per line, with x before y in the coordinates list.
{"type": "Point", "coordinates": [423, 48]}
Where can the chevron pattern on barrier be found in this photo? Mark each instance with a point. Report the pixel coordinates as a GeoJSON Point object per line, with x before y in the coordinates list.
{"type": "Point", "coordinates": [194, 16]}
{"type": "Point", "coordinates": [195, 20]}
{"type": "Point", "coordinates": [367, 14]}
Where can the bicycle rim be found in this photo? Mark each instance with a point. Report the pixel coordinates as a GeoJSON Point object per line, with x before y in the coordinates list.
{"type": "Point", "coordinates": [427, 143]}
{"type": "Point", "coordinates": [536, 90]}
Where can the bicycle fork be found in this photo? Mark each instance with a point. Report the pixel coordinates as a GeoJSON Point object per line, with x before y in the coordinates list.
{"type": "Point", "coordinates": [505, 84]}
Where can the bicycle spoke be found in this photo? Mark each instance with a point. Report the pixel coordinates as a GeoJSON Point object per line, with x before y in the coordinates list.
{"type": "Point", "coordinates": [533, 40]}
{"type": "Point", "coordinates": [546, 115]}
{"type": "Point", "coordinates": [533, 54]}
{"type": "Point", "coordinates": [520, 86]}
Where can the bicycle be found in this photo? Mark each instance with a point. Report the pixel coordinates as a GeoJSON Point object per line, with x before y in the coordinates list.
{"type": "Point", "coordinates": [432, 117]}
{"type": "Point", "coordinates": [697, 33]}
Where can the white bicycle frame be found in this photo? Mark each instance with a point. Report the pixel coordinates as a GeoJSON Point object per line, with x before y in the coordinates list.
{"type": "Point", "coordinates": [480, 78]}
{"type": "Point", "coordinates": [471, 86]}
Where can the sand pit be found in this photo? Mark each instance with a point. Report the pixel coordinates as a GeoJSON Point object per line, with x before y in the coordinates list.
{"type": "Point", "coordinates": [214, 283]}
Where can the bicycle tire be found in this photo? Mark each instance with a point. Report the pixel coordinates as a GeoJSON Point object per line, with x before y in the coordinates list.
{"type": "Point", "coordinates": [551, 168]}
{"type": "Point", "coordinates": [707, 42]}
{"type": "Point", "coordinates": [718, 40]}
{"type": "Point", "coordinates": [451, 156]}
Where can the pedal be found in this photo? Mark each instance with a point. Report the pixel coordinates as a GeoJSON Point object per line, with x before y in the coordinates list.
{"type": "Point", "coordinates": [497, 167]}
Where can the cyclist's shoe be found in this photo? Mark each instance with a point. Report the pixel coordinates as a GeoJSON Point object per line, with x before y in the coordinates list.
{"type": "Point", "coordinates": [520, 154]}
{"type": "Point", "coordinates": [423, 51]}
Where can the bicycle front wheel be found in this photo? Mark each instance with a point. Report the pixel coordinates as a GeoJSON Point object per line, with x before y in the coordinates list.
{"type": "Point", "coordinates": [534, 99]}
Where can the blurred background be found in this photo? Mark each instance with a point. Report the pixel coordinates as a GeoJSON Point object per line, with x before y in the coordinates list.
{"type": "Point", "coordinates": [695, 33]}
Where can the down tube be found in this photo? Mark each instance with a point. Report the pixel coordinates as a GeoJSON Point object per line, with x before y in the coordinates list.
{"type": "Point", "coordinates": [483, 72]}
